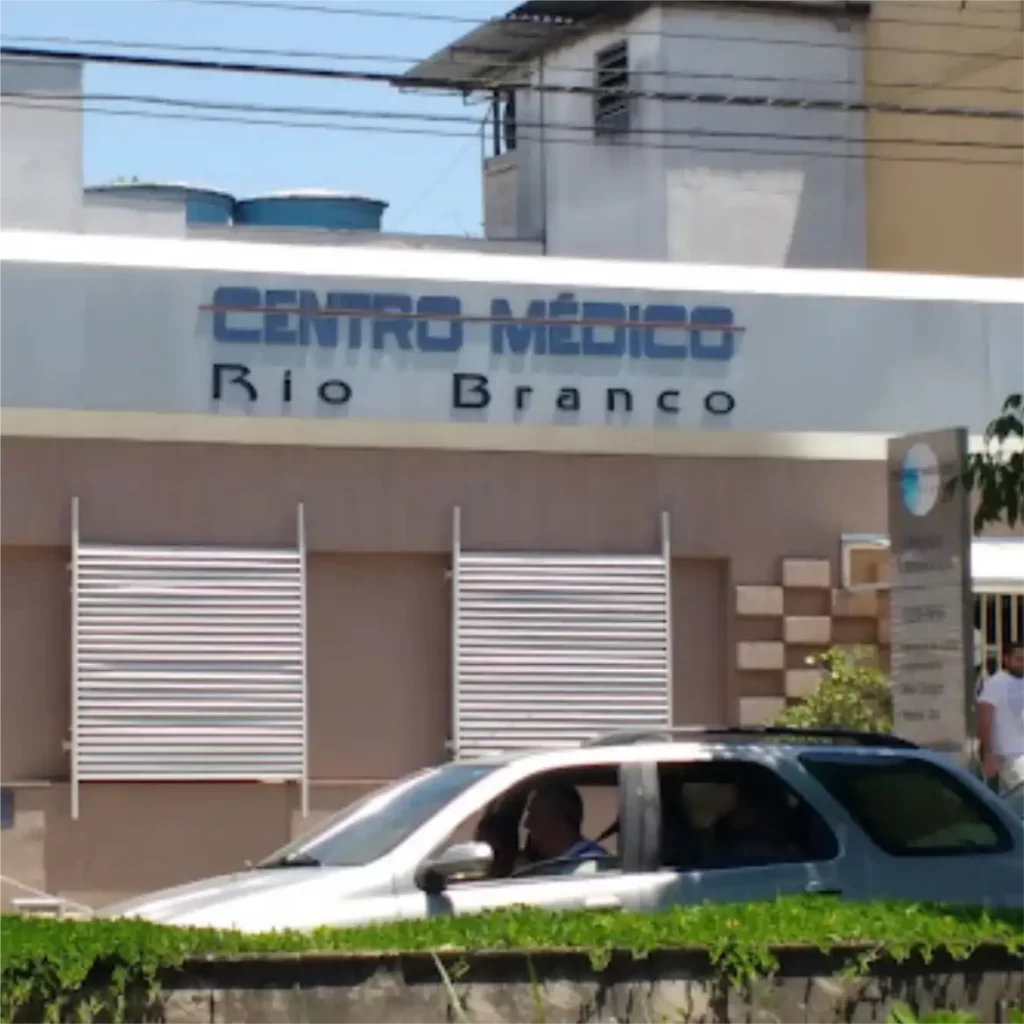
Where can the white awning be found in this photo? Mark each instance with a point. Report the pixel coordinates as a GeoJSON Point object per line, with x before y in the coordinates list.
{"type": "Point", "coordinates": [997, 565]}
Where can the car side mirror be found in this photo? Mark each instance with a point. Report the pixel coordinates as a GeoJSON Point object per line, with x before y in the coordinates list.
{"type": "Point", "coordinates": [469, 860]}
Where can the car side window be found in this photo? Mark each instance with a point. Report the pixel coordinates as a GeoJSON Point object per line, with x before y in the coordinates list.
{"type": "Point", "coordinates": [731, 813]}
{"type": "Point", "coordinates": [908, 806]}
{"type": "Point", "coordinates": [562, 822]}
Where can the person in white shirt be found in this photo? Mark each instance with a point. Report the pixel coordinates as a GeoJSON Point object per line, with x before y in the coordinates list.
{"type": "Point", "coordinates": [1001, 720]}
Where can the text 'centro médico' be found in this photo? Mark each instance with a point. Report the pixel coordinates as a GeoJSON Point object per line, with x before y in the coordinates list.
{"type": "Point", "coordinates": [437, 323]}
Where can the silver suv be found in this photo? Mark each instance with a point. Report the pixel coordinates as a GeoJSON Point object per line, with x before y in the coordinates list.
{"type": "Point", "coordinates": [673, 817]}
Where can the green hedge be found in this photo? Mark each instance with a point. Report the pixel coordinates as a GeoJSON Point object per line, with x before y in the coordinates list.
{"type": "Point", "coordinates": [57, 969]}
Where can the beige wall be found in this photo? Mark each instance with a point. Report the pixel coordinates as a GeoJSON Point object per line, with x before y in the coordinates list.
{"type": "Point", "coordinates": [379, 537]}
{"type": "Point", "coordinates": [946, 209]}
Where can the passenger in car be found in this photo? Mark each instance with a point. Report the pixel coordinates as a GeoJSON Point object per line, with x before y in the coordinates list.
{"type": "Point", "coordinates": [554, 820]}
{"type": "Point", "coordinates": [717, 824]}
{"type": "Point", "coordinates": [754, 833]}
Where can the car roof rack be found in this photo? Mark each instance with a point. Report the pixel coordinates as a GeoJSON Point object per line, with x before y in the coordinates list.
{"type": "Point", "coordinates": [850, 737]}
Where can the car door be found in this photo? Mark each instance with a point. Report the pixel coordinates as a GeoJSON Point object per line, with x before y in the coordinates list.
{"type": "Point", "coordinates": [795, 853]}
{"type": "Point", "coordinates": [613, 884]}
{"type": "Point", "coordinates": [931, 832]}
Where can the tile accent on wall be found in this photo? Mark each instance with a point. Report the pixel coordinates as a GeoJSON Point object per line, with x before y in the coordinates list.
{"type": "Point", "coordinates": [806, 573]}
{"type": "Point", "coordinates": [773, 610]}
{"type": "Point", "coordinates": [848, 604]}
{"type": "Point", "coordinates": [808, 630]}
{"type": "Point", "coordinates": [759, 602]}
{"type": "Point", "coordinates": [759, 655]}
{"type": "Point", "coordinates": [801, 682]}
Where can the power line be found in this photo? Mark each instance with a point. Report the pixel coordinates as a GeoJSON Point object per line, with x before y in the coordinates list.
{"type": "Point", "coordinates": [263, 122]}
{"type": "Point", "coordinates": [407, 15]}
{"type": "Point", "coordinates": [406, 60]}
{"type": "Point", "coordinates": [256, 51]}
{"type": "Point", "coordinates": [638, 34]}
{"type": "Point", "coordinates": [522, 127]}
{"type": "Point", "coordinates": [378, 12]}
{"type": "Point", "coordinates": [431, 187]}
{"type": "Point", "coordinates": [186, 64]}
{"type": "Point", "coordinates": [701, 98]}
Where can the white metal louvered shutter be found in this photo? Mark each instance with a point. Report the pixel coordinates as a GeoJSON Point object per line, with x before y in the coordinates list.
{"type": "Point", "coordinates": [551, 650]}
{"type": "Point", "coordinates": [189, 663]}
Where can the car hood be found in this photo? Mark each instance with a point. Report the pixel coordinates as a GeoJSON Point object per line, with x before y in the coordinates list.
{"type": "Point", "coordinates": [266, 899]}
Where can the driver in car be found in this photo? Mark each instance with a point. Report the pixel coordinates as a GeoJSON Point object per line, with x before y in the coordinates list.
{"type": "Point", "coordinates": [554, 820]}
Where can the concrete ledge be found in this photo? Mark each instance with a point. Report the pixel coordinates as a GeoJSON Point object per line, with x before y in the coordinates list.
{"type": "Point", "coordinates": [208, 428]}
{"type": "Point", "coordinates": [676, 985]}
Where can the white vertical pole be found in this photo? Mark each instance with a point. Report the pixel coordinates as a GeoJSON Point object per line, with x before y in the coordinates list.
{"type": "Point", "coordinates": [455, 598]}
{"type": "Point", "coordinates": [666, 554]}
{"type": "Point", "coordinates": [304, 783]}
{"type": "Point", "coordinates": [75, 538]}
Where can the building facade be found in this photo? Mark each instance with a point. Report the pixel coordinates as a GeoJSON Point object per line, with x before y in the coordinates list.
{"type": "Point", "coordinates": [289, 513]}
{"type": "Point", "coordinates": [287, 521]}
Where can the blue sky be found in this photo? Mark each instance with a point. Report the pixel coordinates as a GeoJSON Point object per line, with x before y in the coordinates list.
{"type": "Point", "coordinates": [432, 182]}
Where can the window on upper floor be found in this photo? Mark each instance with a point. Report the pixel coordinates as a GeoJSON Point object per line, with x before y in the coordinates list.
{"type": "Point", "coordinates": [611, 83]}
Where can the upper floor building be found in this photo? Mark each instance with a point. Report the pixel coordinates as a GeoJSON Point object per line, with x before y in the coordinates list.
{"type": "Point", "coordinates": [604, 162]}
{"type": "Point", "coordinates": [949, 197]}
{"type": "Point", "coordinates": [760, 133]}
{"type": "Point", "coordinates": [750, 133]}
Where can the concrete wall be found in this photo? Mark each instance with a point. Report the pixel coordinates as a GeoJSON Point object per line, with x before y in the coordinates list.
{"type": "Point", "coordinates": [779, 198]}
{"type": "Point", "coordinates": [113, 213]}
{"type": "Point", "coordinates": [41, 145]}
{"type": "Point", "coordinates": [587, 197]}
{"type": "Point", "coordinates": [661, 192]}
{"type": "Point", "coordinates": [565, 988]}
{"type": "Point", "coordinates": [946, 209]}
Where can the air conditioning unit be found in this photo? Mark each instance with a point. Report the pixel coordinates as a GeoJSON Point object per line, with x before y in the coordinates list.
{"type": "Point", "coordinates": [865, 562]}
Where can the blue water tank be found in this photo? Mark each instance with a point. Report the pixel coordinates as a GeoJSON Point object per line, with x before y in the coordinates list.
{"type": "Point", "coordinates": [202, 205]}
{"type": "Point", "coordinates": [311, 208]}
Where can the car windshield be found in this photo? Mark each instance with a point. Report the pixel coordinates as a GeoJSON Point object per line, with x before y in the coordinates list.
{"type": "Point", "coordinates": [375, 825]}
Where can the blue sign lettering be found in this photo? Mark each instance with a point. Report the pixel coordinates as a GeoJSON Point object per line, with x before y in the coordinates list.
{"type": "Point", "coordinates": [565, 326]}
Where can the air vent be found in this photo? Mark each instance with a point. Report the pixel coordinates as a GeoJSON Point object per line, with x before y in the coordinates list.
{"type": "Point", "coordinates": [611, 80]}
{"type": "Point", "coordinates": [865, 562]}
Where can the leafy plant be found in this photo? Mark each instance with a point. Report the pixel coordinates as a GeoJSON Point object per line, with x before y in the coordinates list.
{"type": "Point", "coordinates": [996, 473]}
{"type": "Point", "coordinates": [853, 694]}
{"type": "Point", "coordinates": [901, 1013]}
{"type": "Point", "coordinates": [53, 970]}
